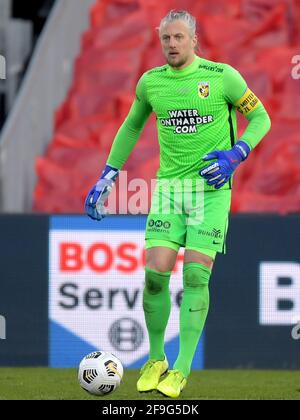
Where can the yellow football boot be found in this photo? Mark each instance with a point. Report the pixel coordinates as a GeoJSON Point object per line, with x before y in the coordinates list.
{"type": "Point", "coordinates": [173, 384]}
{"type": "Point", "coordinates": [151, 373]}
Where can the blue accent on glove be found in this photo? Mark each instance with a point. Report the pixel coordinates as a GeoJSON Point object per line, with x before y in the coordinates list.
{"type": "Point", "coordinates": [219, 172]}
{"type": "Point", "coordinates": [94, 203]}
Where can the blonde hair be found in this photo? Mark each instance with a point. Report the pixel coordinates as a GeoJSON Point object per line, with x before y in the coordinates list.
{"type": "Point", "coordinates": [179, 15]}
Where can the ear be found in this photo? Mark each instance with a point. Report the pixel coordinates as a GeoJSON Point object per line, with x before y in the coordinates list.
{"type": "Point", "coordinates": [195, 42]}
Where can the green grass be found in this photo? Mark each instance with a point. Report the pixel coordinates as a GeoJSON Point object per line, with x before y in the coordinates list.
{"type": "Point", "coordinates": [61, 384]}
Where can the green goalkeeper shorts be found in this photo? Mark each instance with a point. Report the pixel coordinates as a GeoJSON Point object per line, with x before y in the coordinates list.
{"type": "Point", "coordinates": [194, 220]}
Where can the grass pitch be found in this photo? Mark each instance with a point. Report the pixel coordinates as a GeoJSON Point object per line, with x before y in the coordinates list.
{"type": "Point", "coordinates": [61, 384]}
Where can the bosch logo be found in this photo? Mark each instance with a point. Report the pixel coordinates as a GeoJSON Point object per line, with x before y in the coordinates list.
{"type": "Point", "coordinates": [101, 257]}
{"type": "Point", "coordinates": [126, 334]}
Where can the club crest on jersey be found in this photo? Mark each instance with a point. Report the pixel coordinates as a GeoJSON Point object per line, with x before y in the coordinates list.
{"type": "Point", "coordinates": [203, 89]}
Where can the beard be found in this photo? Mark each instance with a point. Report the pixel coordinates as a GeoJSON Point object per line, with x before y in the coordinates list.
{"type": "Point", "coordinates": [176, 64]}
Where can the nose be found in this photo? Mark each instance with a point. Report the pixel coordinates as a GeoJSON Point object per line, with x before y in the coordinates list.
{"type": "Point", "coordinates": [172, 43]}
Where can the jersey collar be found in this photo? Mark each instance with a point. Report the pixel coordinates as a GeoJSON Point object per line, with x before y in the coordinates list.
{"type": "Point", "coordinates": [187, 70]}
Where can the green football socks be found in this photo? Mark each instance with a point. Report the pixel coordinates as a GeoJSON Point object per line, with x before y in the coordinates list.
{"type": "Point", "coordinates": [157, 307]}
{"type": "Point", "coordinates": [193, 313]}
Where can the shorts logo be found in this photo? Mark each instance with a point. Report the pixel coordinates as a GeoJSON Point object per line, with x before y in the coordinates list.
{"type": "Point", "coordinates": [159, 225]}
{"type": "Point", "coordinates": [217, 233]}
{"type": "Point", "coordinates": [214, 233]}
{"type": "Point", "coordinates": [167, 225]}
{"type": "Point", "coordinates": [203, 90]}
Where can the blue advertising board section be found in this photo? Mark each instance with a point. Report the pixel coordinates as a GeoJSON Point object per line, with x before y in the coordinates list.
{"type": "Point", "coordinates": [24, 290]}
{"type": "Point", "coordinates": [91, 273]}
{"type": "Point", "coordinates": [93, 266]}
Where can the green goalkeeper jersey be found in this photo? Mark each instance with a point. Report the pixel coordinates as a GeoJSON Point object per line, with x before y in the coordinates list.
{"type": "Point", "coordinates": [196, 114]}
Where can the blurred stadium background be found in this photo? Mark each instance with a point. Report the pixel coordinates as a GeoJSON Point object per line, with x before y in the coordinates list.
{"type": "Point", "coordinates": [70, 285]}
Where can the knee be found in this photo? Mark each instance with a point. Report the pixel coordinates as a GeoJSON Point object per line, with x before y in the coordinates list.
{"type": "Point", "coordinates": [159, 267]}
{"type": "Point", "coordinates": [160, 259]}
{"type": "Point", "coordinates": [195, 284]}
{"type": "Point", "coordinates": [156, 281]}
{"type": "Point", "coordinates": [196, 276]}
{"type": "Point", "coordinates": [152, 285]}
{"type": "Point", "coordinates": [198, 257]}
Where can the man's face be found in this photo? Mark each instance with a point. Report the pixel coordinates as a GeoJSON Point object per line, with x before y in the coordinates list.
{"type": "Point", "coordinates": [177, 44]}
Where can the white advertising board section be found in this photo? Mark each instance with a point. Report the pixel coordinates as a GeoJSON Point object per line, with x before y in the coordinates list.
{"type": "Point", "coordinates": [96, 282]}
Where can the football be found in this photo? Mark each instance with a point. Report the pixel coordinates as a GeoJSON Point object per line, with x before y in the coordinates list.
{"type": "Point", "coordinates": [100, 373]}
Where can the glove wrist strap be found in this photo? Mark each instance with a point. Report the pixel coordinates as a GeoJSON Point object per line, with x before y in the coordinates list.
{"type": "Point", "coordinates": [242, 149]}
{"type": "Point", "coordinates": [110, 173]}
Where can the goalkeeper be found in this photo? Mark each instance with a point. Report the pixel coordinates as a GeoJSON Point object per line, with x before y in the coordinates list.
{"type": "Point", "coordinates": [195, 102]}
